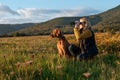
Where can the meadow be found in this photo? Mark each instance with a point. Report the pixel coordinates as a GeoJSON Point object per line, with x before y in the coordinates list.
{"type": "Point", "coordinates": [36, 58]}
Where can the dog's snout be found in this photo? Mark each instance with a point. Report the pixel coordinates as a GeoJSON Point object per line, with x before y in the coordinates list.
{"type": "Point", "coordinates": [51, 35]}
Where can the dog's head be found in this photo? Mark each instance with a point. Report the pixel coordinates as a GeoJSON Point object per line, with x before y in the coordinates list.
{"type": "Point", "coordinates": [56, 33]}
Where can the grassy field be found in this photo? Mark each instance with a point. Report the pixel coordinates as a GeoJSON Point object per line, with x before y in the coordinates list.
{"type": "Point", "coordinates": [36, 58]}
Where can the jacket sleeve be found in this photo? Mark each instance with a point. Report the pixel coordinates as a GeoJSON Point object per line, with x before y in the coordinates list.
{"type": "Point", "coordinates": [85, 34]}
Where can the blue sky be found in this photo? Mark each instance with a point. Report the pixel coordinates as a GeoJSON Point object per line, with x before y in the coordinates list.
{"type": "Point", "coordinates": [24, 11]}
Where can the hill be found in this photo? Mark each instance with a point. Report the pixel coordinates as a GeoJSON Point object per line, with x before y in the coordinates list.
{"type": "Point", "coordinates": [106, 21]}
{"type": "Point", "coordinates": [7, 28]}
{"type": "Point", "coordinates": [63, 23]}
{"type": "Point", "coordinates": [110, 20]}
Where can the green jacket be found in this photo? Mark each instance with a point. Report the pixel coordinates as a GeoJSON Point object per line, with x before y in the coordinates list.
{"type": "Point", "coordinates": [86, 40]}
{"type": "Point", "coordinates": [80, 36]}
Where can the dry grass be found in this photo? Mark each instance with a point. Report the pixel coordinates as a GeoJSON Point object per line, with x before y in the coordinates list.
{"type": "Point", "coordinates": [36, 58]}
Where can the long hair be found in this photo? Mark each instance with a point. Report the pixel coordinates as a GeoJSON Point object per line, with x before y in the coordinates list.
{"type": "Point", "coordinates": [87, 25]}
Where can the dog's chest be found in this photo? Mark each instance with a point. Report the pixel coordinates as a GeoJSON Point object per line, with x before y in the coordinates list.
{"type": "Point", "coordinates": [62, 43]}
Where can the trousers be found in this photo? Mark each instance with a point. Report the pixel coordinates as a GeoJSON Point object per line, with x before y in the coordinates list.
{"type": "Point", "coordinates": [76, 52]}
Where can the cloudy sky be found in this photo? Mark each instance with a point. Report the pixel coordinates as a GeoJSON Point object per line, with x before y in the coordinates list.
{"type": "Point", "coordinates": [25, 11]}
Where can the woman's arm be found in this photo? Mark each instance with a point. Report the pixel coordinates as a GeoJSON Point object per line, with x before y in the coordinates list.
{"type": "Point", "coordinates": [85, 34]}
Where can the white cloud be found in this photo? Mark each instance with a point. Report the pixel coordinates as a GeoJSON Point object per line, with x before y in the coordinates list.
{"type": "Point", "coordinates": [39, 15]}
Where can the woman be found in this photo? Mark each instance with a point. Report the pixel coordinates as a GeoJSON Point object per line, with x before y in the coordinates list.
{"type": "Point", "coordinates": [85, 37]}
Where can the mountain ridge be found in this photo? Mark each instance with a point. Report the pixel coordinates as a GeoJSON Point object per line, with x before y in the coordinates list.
{"type": "Point", "coordinates": [105, 21]}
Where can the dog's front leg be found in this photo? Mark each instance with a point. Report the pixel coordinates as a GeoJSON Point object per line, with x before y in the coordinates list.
{"type": "Point", "coordinates": [64, 52]}
{"type": "Point", "coordinates": [60, 51]}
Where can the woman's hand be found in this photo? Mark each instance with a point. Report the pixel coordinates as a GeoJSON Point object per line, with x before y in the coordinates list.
{"type": "Point", "coordinates": [77, 24]}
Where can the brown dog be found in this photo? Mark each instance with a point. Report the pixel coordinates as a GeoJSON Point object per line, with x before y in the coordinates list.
{"type": "Point", "coordinates": [62, 44]}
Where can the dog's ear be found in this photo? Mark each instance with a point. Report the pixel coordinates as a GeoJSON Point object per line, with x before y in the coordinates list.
{"type": "Point", "coordinates": [58, 32]}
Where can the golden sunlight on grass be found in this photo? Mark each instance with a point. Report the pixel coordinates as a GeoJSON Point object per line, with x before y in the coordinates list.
{"type": "Point", "coordinates": [36, 58]}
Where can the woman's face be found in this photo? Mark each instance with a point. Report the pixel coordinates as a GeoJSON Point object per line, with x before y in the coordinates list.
{"type": "Point", "coordinates": [82, 24]}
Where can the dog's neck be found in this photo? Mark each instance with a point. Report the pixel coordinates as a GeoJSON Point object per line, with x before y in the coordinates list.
{"type": "Point", "coordinates": [63, 40]}
{"type": "Point", "coordinates": [61, 37]}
